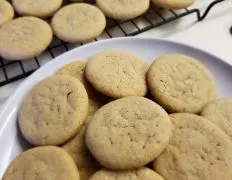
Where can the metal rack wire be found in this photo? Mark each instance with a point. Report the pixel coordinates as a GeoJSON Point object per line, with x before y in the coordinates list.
{"type": "Point", "coordinates": [11, 71]}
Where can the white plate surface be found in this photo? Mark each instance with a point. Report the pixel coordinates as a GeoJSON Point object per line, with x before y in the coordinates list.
{"type": "Point", "coordinates": [11, 141]}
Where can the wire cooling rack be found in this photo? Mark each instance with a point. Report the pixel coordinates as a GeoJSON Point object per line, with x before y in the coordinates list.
{"type": "Point", "coordinates": [11, 71]}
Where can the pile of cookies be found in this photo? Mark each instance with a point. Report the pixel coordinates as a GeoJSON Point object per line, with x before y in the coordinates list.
{"type": "Point", "coordinates": [29, 34]}
{"type": "Point", "coordinates": [118, 117]}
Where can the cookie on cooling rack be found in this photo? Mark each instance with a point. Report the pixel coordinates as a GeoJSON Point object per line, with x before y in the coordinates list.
{"type": "Point", "coordinates": [123, 9]}
{"type": "Point", "coordinates": [78, 22]}
{"type": "Point", "coordinates": [6, 12]}
{"type": "Point", "coordinates": [173, 4]}
{"type": "Point", "coordinates": [24, 38]}
{"type": "Point", "coordinates": [38, 8]}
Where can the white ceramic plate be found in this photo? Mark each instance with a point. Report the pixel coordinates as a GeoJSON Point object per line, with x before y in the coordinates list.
{"type": "Point", "coordinates": [11, 141]}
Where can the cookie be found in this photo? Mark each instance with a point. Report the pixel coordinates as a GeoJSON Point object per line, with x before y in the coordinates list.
{"type": "Point", "coordinates": [85, 162]}
{"type": "Point", "coordinates": [198, 150]}
{"type": "Point", "coordinates": [180, 83]}
{"type": "Point", "coordinates": [53, 111]}
{"type": "Point", "coordinates": [173, 4]}
{"type": "Point", "coordinates": [219, 112]}
{"type": "Point", "coordinates": [117, 74]}
{"type": "Point", "coordinates": [77, 22]}
{"type": "Point", "coordinates": [38, 8]}
{"type": "Point", "coordinates": [6, 12]}
{"type": "Point", "coordinates": [24, 38]}
{"type": "Point", "coordinates": [47, 163]}
{"type": "Point", "coordinates": [123, 9]}
{"type": "Point", "coordinates": [96, 99]}
{"type": "Point", "coordinates": [128, 133]}
{"type": "Point", "coordinates": [138, 174]}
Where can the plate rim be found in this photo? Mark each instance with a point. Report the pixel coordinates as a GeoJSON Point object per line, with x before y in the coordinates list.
{"type": "Point", "coordinates": [11, 98]}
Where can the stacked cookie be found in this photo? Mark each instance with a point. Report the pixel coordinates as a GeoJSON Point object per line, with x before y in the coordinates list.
{"type": "Point", "coordinates": [28, 35]}
{"type": "Point", "coordinates": [92, 120]}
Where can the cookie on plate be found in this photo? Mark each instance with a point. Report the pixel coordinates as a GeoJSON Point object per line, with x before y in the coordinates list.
{"type": "Point", "coordinates": [123, 9]}
{"type": "Point", "coordinates": [53, 111]}
{"type": "Point", "coordinates": [47, 163]}
{"type": "Point", "coordinates": [78, 22]}
{"type": "Point", "coordinates": [198, 150]}
{"type": "Point", "coordinates": [138, 174]}
{"type": "Point", "coordinates": [128, 133]}
{"type": "Point", "coordinates": [219, 112]}
{"type": "Point", "coordinates": [24, 38]}
{"type": "Point", "coordinates": [85, 162]}
{"type": "Point", "coordinates": [173, 4]}
{"type": "Point", "coordinates": [96, 99]}
{"type": "Point", "coordinates": [180, 83]}
{"type": "Point", "coordinates": [38, 8]}
{"type": "Point", "coordinates": [117, 74]}
{"type": "Point", "coordinates": [6, 12]}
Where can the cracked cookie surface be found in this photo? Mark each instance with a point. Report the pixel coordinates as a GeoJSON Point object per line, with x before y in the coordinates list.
{"type": "Point", "coordinates": [78, 22]}
{"type": "Point", "coordinates": [138, 174]}
{"type": "Point", "coordinates": [42, 163]}
{"type": "Point", "coordinates": [117, 74]}
{"type": "Point", "coordinates": [53, 111]}
{"type": "Point", "coordinates": [96, 99]}
{"type": "Point", "coordinates": [123, 9]}
{"type": "Point", "coordinates": [128, 133]}
{"type": "Point", "coordinates": [198, 150]}
{"type": "Point", "coordinates": [179, 83]}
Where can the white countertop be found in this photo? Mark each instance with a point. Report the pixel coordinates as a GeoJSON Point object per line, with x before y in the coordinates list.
{"type": "Point", "coordinates": [211, 35]}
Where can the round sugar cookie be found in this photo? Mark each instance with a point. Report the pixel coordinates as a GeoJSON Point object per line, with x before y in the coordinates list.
{"type": "Point", "coordinates": [78, 22]}
{"type": "Point", "coordinates": [138, 174]}
{"type": "Point", "coordinates": [117, 74]}
{"type": "Point", "coordinates": [24, 38]}
{"type": "Point", "coordinates": [53, 111]}
{"type": "Point", "coordinates": [198, 150]}
{"type": "Point", "coordinates": [6, 12]}
{"type": "Point", "coordinates": [128, 133]}
{"type": "Point", "coordinates": [219, 112]}
{"type": "Point", "coordinates": [173, 4]}
{"type": "Point", "coordinates": [38, 8]}
{"type": "Point", "coordinates": [180, 83]}
{"type": "Point", "coordinates": [85, 162]}
{"type": "Point", "coordinates": [42, 163]}
{"type": "Point", "coordinates": [96, 99]}
{"type": "Point", "coordinates": [123, 9]}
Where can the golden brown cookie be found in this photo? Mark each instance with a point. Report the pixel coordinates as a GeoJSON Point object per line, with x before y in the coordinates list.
{"type": "Point", "coordinates": [219, 112]}
{"type": "Point", "coordinates": [24, 38]}
{"type": "Point", "coordinates": [53, 111]}
{"type": "Point", "coordinates": [123, 9]}
{"type": "Point", "coordinates": [180, 83]}
{"type": "Point", "coordinates": [78, 22]}
{"type": "Point", "coordinates": [128, 133]}
{"type": "Point", "coordinates": [173, 4]}
{"type": "Point", "coordinates": [117, 74]}
{"type": "Point", "coordinates": [42, 163]}
{"type": "Point", "coordinates": [38, 8]}
{"type": "Point", "coordinates": [138, 174]}
{"type": "Point", "coordinates": [6, 12]}
{"type": "Point", "coordinates": [198, 150]}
